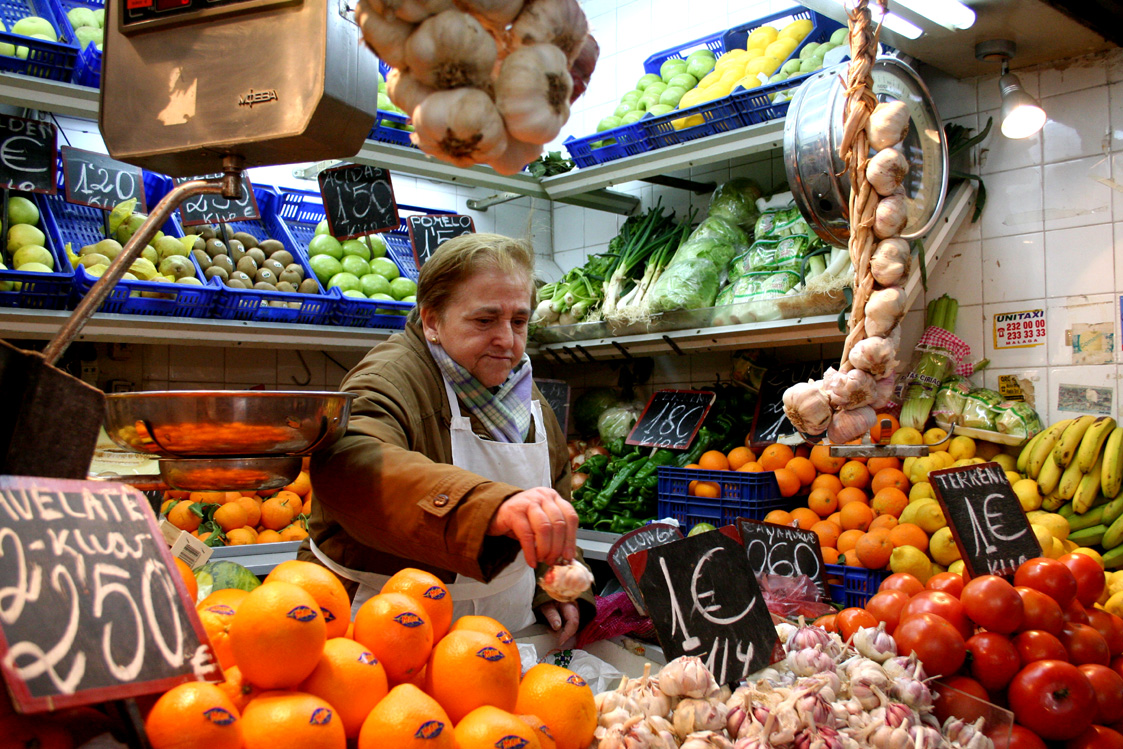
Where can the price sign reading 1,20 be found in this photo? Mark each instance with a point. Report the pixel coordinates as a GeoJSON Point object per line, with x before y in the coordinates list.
{"type": "Point", "coordinates": [671, 419]}
{"type": "Point", "coordinates": [96, 180]}
{"type": "Point", "coordinates": [358, 200]}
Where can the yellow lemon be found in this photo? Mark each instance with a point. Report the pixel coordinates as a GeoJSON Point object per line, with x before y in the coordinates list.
{"type": "Point", "coordinates": [926, 513]}
{"type": "Point", "coordinates": [1056, 524]}
{"type": "Point", "coordinates": [1114, 604]}
{"type": "Point", "coordinates": [906, 436]}
{"type": "Point", "coordinates": [934, 435]}
{"type": "Point", "coordinates": [720, 89]}
{"type": "Point", "coordinates": [761, 37]}
{"type": "Point", "coordinates": [1057, 550]}
{"type": "Point", "coordinates": [915, 562]}
{"type": "Point", "coordinates": [906, 467]}
{"type": "Point", "coordinates": [1013, 477]}
{"type": "Point", "coordinates": [958, 567]}
{"type": "Point", "coordinates": [961, 447]}
{"type": "Point", "coordinates": [1089, 551]}
{"type": "Point", "coordinates": [765, 66]}
{"type": "Point", "coordinates": [781, 48]}
{"type": "Point", "coordinates": [1044, 538]}
{"type": "Point", "coordinates": [731, 57]}
{"type": "Point", "coordinates": [1029, 494]}
{"type": "Point", "coordinates": [748, 83]}
{"type": "Point", "coordinates": [796, 30]}
{"type": "Point", "coordinates": [923, 490]}
{"type": "Point", "coordinates": [708, 80]}
{"type": "Point", "coordinates": [921, 468]}
{"type": "Point", "coordinates": [1008, 462]}
{"type": "Point", "coordinates": [1069, 546]}
{"type": "Point", "coordinates": [943, 456]}
{"type": "Point", "coordinates": [691, 97]}
{"type": "Point", "coordinates": [942, 547]}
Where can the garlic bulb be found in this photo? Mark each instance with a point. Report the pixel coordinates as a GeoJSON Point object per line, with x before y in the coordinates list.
{"type": "Point", "coordinates": [582, 69]}
{"type": "Point", "coordinates": [693, 715]}
{"type": "Point", "coordinates": [884, 310]}
{"type": "Point", "coordinates": [890, 261]}
{"type": "Point", "coordinates": [386, 35]}
{"type": "Point", "coordinates": [888, 125]}
{"type": "Point", "coordinates": [886, 171]}
{"type": "Point", "coordinates": [558, 22]}
{"type": "Point", "coordinates": [567, 581]}
{"type": "Point", "coordinates": [532, 92]}
{"type": "Point", "coordinates": [410, 11]}
{"type": "Point", "coordinates": [686, 676]}
{"type": "Point", "coordinates": [461, 126]}
{"type": "Point", "coordinates": [847, 390]}
{"type": "Point", "coordinates": [513, 159]}
{"type": "Point", "coordinates": [406, 91]}
{"type": "Point", "coordinates": [875, 356]}
{"type": "Point", "coordinates": [884, 391]}
{"type": "Point", "coordinates": [875, 643]}
{"type": "Point", "coordinates": [891, 216]}
{"type": "Point", "coordinates": [707, 740]}
{"type": "Point", "coordinates": [451, 50]}
{"type": "Point", "coordinates": [850, 425]}
{"type": "Point", "coordinates": [647, 694]}
{"type": "Point", "coordinates": [807, 407]}
{"type": "Point", "coordinates": [494, 14]}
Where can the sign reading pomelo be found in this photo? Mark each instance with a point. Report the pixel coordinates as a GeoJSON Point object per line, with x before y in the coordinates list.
{"type": "Point", "coordinates": [428, 231]}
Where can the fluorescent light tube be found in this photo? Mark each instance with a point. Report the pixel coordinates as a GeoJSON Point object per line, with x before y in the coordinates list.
{"type": "Point", "coordinates": [951, 14]}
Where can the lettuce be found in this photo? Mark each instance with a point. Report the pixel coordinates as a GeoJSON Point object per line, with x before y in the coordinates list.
{"type": "Point", "coordinates": [686, 284]}
{"type": "Point", "coordinates": [735, 201]}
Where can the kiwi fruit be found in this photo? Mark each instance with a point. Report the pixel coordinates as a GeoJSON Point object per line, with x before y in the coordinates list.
{"type": "Point", "coordinates": [308, 286]}
{"type": "Point", "coordinates": [224, 262]}
{"type": "Point", "coordinates": [264, 275]}
{"type": "Point", "coordinates": [215, 247]}
{"type": "Point", "coordinates": [284, 257]}
{"type": "Point", "coordinates": [286, 287]}
{"type": "Point", "coordinates": [237, 250]}
{"type": "Point", "coordinates": [202, 258]}
{"type": "Point", "coordinates": [296, 268]}
{"type": "Point", "coordinates": [248, 240]}
{"type": "Point", "coordinates": [200, 244]}
{"type": "Point", "coordinates": [290, 276]}
{"type": "Point", "coordinates": [257, 255]}
{"type": "Point", "coordinates": [240, 276]}
{"type": "Point", "coordinates": [264, 286]}
{"type": "Point", "coordinates": [218, 271]}
{"type": "Point", "coordinates": [247, 265]}
{"type": "Point", "coordinates": [274, 265]}
{"type": "Point", "coordinates": [206, 232]}
{"type": "Point", "coordinates": [269, 246]}
{"type": "Point", "coordinates": [237, 283]}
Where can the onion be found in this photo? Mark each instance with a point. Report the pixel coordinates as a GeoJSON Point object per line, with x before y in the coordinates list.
{"type": "Point", "coordinates": [596, 450]}
{"type": "Point", "coordinates": [579, 480]}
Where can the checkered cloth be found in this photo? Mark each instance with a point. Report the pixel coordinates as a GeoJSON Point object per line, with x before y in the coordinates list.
{"type": "Point", "coordinates": [506, 410]}
{"type": "Point", "coordinates": [938, 339]}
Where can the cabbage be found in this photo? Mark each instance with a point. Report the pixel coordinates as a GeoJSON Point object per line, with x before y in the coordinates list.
{"type": "Point", "coordinates": [735, 201]}
{"type": "Point", "coordinates": [618, 421]}
{"type": "Point", "coordinates": [948, 408]}
{"type": "Point", "coordinates": [716, 250]}
{"type": "Point", "coordinates": [1017, 419]}
{"type": "Point", "coordinates": [588, 407]}
{"type": "Point", "coordinates": [687, 284]}
{"type": "Point", "coordinates": [978, 409]}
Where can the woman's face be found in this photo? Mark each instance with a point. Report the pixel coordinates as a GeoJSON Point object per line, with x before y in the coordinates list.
{"type": "Point", "coordinates": [484, 326]}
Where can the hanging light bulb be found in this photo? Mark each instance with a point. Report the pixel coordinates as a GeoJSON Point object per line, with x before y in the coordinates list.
{"type": "Point", "coordinates": [1021, 115]}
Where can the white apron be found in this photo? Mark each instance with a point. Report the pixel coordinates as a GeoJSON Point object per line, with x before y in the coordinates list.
{"type": "Point", "coordinates": [507, 598]}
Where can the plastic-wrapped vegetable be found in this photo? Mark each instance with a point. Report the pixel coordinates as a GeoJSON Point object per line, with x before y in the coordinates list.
{"type": "Point", "coordinates": [588, 407]}
{"type": "Point", "coordinates": [932, 364]}
{"type": "Point", "coordinates": [735, 201]}
{"type": "Point", "coordinates": [725, 296]}
{"type": "Point", "coordinates": [792, 225]}
{"type": "Point", "coordinates": [948, 408]}
{"type": "Point", "coordinates": [716, 250]}
{"type": "Point", "coordinates": [1017, 419]}
{"type": "Point", "coordinates": [766, 224]}
{"type": "Point", "coordinates": [773, 255]}
{"type": "Point", "coordinates": [978, 409]}
{"type": "Point", "coordinates": [617, 422]}
{"type": "Point", "coordinates": [689, 284]}
{"type": "Point", "coordinates": [718, 227]}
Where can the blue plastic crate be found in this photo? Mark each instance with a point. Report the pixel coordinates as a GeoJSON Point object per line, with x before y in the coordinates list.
{"type": "Point", "coordinates": [45, 59]}
{"type": "Point", "coordinates": [87, 70]}
{"type": "Point", "coordinates": [743, 494]}
{"type": "Point", "coordinates": [858, 584]}
{"type": "Point", "coordinates": [41, 290]}
{"type": "Point", "coordinates": [383, 132]}
{"type": "Point", "coordinates": [718, 116]}
{"type": "Point", "coordinates": [626, 140]}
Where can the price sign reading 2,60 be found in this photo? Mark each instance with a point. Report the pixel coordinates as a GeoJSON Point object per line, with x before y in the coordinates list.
{"type": "Point", "coordinates": [88, 607]}
{"type": "Point", "coordinates": [780, 550]}
{"type": "Point", "coordinates": [671, 418]}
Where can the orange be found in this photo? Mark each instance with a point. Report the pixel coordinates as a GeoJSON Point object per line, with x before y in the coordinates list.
{"type": "Point", "coordinates": [350, 679]}
{"type": "Point", "coordinates": [803, 450]}
{"type": "Point", "coordinates": [429, 591]}
{"type": "Point", "coordinates": [237, 688]}
{"type": "Point", "coordinates": [292, 719]}
{"type": "Point", "coordinates": [873, 549]}
{"type": "Point", "coordinates": [827, 532]}
{"type": "Point", "coordinates": [752, 467]}
{"type": "Point", "coordinates": [847, 540]}
{"type": "Point", "coordinates": [779, 517]}
{"type": "Point", "coordinates": [803, 468]}
{"type": "Point", "coordinates": [466, 671]}
{"type": "Point", "coordinates": [241, 536]}
{"type": "Point", "coordinates": [830, 554]}
{"type": "Point", "coordinates": [269, 537]}
{"type": "Point", "coordinates": [188, 576]}
{"type": "Point", "coordinates": [714, 460]}
{"type": "Point", "coordinates": [804, 518]}
{"type": "Point", "coordinates": [193, 714]}
{"type": "Point", "coordinates": [836, 518]}
{"type": "Point", "coordinates": [276, 514]}
{"type": "Point", "coordinates": [827, 481]}
{"type": "Point", "coordinates": [709, 489]}
{"type": "Point", "coordinates": [889, 501]}
{"type": "Point", "coordinates": [397, 630]}
{"type": "Point", "coordinates": [692, 466]}
{"type": "Point", "coordinates": [851, 494]}
{"type": "Point", "coordinates": [183, 518]}
{"type": "Point", "coordinates": [487, 727]}
{"type": "Point", "coordinates": [407, 718]}
{"type": "Point", "coordinates": [301, 485]}
{"type": "Point", "coordinates": [166, 505]}
{"type": "Point", "coordinates": [216, 612]}
{"type": "Point", "coordinates": [822, 501]}
{"type": "Point", "coordinates": [877, 465]}
{"type": "Point", "coordinates": [854, 474]}
{"type": "Point", "coordinates": [856, 515]}
{"type": "Point", "coordinates": [775, 456]}
{"type": "Point", "coordinates": [909, 534]}
{"type": "Point", "coordinates": [490, 627]}
{"type": "Point", "coordinates": [231, 515]}
{"type": "Point", "coordinates": [277, 635]}
{"type": "Point", "coordinates": [214, 498]}
{"type": "Point", "coordinates": [787, 481]}
{"type": "Point", "coordinates": [253, 509]}
{"type": "Point", "coordinates": [888, 522]}
{"type": "Point", "coordinates": [891, 477]}
{"type": "Point", "coordinates": [875, 430]}
{"type": "Point", "coordinates": [294, 532]}
{"type": "Point", "coordinates": [322, 584]}
{"type": "Point", "coordinates": [292, 499]}
{"type": "Point", "coordinates": [739, 456]}
{"type": "Point", "coordinates": [823, 462]}
{"type": "Point", "coordinates": [850, 559]}
{"type": "Point", "coordinates": [564, 702]}
{"type": "Point", "coordinates": [541, 731]}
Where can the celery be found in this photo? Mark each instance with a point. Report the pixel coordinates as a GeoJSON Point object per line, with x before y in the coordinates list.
{"type": "Point", "coordinates": [931, 369]}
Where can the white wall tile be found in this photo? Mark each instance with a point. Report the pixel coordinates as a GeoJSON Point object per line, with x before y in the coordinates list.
{"type": "Point", "coordinates": [1079, 261]}
{"type": "Point", "coordinates": [1077, 124]}
{"type": "Point", "coordinates": [196, 363]}
{"type": "Point", "coordinates": [1034, 382]}
{"type": "Point", "coordinates": [1014, 201]}
{"type": "Point", "coordinates": [1075, 196]}
{"type": "Point", "coordinates": [1115, 115]}
{"type": "Point", "coordinates": [1036, 356]}
{"type": "Point", "coordinates": [959, 273]}
{"type": "Point", "coordinates": [254, 366]}
{"type": "Point", "coordinates": [1072, 75]}
{"type": "Point", "coordinates": [599, 226]}
{"type": "Point", "coordinates": [953, 97]}
{"type": "Point", "coordinates": [1063, 313]}
{"type": "Point", "coordinates": [1013, 267]}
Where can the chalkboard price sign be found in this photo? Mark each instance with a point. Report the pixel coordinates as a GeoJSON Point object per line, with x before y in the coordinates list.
{"type": "Point", "coordinates": [28, 154]}
{"type": "Point", "coordinates": [428, 231]}
{"type": "Point", "coordinates": [704, 601]}
{"type": "Point", "coordinates": [90, 606]}
{"type": "Point", "coordinates": [987, 521]}
{"type": "Point", "coordinates": [779, 550]}
{"type": "Point", "coordinates": [213, 208]}
{"type": "Point", "coordinates": [650, 535]}
{"type": "Point", "coordinates": [358, 200]}
{"type": "Point", "coordinates": [770, 423]}
{"type": "Point", "coordinates": [671, 419]}
{"type": "Point", "coordinates": [556, 393]}
{"type": "Point", "coordinates": [99, 181]}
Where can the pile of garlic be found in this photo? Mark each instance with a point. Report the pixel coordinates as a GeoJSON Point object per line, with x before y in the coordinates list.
{"type": "Point", "coordinates": [485, 81]}
{"type": "Point", "coordinates": [844, 403]}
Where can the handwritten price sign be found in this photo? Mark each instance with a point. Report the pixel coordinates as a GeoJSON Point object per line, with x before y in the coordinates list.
{"type": "Point", "coordinates": [1019, 329]}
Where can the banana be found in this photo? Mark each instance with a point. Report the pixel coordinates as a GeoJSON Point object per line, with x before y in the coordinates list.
{"type": "Point", "coordinates": [1051, 503]}
{"type": "Point", "coordinates": [1093, 441]}
{"type": "Point", "coordinates": [1113, 559]}
{"type": "Point", "coordinates": [1049, 477]}
{"type": "Point", "coordinates": [1111, 478]}
{"type": "Point", "coordinates": [1114, 535]}
{"type": "Point", "coordinates": [1088, 489]}
{"type": "Point", "coordinates": [1043, 448]}
{"type": "Point", "coordinates": [1092, 517]}
{"type": "Point", "coordinates": [1027, 451]}
{"type": "Point", "coordinates": [1070, 479]}
{"type": "Point", "coordinates": [1092, 536]}
{"type": "Point", "coordinates": [1067, 511]}
{"type": "Point", "coordinates": [1113, 510]}
{"type": "Point", "coordinates": [1069, 442]}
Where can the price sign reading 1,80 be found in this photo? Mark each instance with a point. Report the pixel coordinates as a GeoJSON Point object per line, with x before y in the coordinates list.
{"type": "Point", "coordinates": [671, 418]}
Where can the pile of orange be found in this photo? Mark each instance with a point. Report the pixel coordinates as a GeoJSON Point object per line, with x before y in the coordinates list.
{"type": "Point", "coordinates": [300, 672]}
{"type": "Point", "coordinates": [794, 471]}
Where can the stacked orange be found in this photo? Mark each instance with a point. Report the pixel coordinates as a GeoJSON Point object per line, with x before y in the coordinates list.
{"type": "Point", "coordinates": [407, 676]}
{"type": "Point", "coordinates": [794, 472]}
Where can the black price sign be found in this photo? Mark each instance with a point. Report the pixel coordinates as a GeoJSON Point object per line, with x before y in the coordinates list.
{"type": "Point", "coordinates": [779, 550]}
{"type": "Point", "coordinates": [427, 232]}
{"type": "Point", "coordinates": [649, 536]}
{"type": "Point", "coordinates": [556, 393]}
{"type": "Point", "coordinates": [671, 419]}
{"type": "Point", "coordinates": [213, 208]}
{"type": "Point", "coordinates": [986, 519]}
{"type": "Point", "coordinates": [358, 200]}
{"type": "Point", "coordinates": [96, 180]}
{"type": "Point", "coordinates": [704, 600]}
{"type": "Point", "coordinates": [28, 155]}
{"type": "Point", "coordinates": [770, 423]}
{"type": "Point", "coordinates": [91, 608]}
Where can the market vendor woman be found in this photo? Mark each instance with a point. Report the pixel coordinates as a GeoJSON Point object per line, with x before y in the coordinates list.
{"type": "Point", "coordinates": [450, 462]}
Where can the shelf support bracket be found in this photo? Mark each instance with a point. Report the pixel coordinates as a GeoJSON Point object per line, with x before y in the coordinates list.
{"type": "Point", "coordinates": [484, 203]}
{"type": "Point", "coordinates": [670, 342]}
{"type": "Point", "coordinates": [698, 188]}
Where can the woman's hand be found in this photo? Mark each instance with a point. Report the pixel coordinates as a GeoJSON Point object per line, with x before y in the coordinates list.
{"type": "Point", "coordinates": [563, 618]}
{"type": "Point", "coordinates": [543, 523]}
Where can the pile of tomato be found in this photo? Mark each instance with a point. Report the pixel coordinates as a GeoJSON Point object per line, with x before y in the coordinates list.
{"type": "Point", "coordinates": [1038, 647]}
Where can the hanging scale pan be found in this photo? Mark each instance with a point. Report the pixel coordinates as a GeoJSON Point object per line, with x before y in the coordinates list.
{"type": "Point", "coordinates": [818, 176]}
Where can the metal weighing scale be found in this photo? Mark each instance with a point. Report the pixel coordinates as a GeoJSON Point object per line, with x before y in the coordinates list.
{"type": "Point", "coordinates": [193, 87]}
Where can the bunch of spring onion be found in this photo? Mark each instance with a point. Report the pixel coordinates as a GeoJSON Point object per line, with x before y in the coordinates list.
{"type": "Point", "coordinates": [578, 294]}
{"type": "Point", "coordinates": [633, 305]}
{"type": "Point", "coordinates": [641, 238]}
{"type": "Point", "coordinates": [932, 368]}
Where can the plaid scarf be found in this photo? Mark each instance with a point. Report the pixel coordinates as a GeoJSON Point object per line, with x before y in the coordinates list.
{"type": "Point", "coordinates": [506, 411]}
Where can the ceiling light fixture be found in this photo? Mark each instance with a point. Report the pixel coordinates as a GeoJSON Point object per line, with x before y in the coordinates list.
{"type": "Point", "coordinates": [1021, 115]}
{"type": "Point", "coordinates": [951, 14]}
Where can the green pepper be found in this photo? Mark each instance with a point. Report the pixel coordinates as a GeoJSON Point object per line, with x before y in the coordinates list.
{"type": "Point", "coordinates": [661, 457]}
{"type": "Point", "coordinates": [615, 446]}
{"type": "Point", "coordinates": [619, 479]}
{"type": "Point", "coordinates": [595, 467]}
{"type": "Point", "coordinates": [624, 523]}
{"type": "Point", "coordinates": [651, 484]}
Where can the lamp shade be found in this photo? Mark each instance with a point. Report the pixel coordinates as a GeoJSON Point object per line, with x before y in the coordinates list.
{"type": "Point", "coordinates": [1021, 115]}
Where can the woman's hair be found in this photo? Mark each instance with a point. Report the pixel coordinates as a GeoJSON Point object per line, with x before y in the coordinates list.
{"type": "Point", "coordinates": [460, 258]}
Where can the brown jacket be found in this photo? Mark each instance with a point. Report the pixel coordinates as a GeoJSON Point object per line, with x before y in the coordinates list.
{"type": "Point", "coordinates": [387, 493]}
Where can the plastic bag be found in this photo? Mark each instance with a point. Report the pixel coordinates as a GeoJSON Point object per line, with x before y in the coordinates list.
{"type": "Point", "coordinates": [978, 409]}
{"type": "Point", "coordinates": [793, 596]}
{"type": "Point", "coordinates": [735, 201]}
{"type": "Point", "coordinates": [617, 422]}
{"type": "Point", "coordinates": [1017, 419]}
{"type": "Point", "coordinates": [690, 284]}
{"type": "Point", "coordinates": [948, 408]}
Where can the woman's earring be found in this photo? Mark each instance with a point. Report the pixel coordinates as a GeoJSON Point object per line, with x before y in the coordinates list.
{"type": "Point", "coordinates": [432, 339]}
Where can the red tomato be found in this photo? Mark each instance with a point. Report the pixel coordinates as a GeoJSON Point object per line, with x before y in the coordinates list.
{"type": "Point", "coordinates": [1096, 737]}
{"type": "Point", "coordinates": [993, 660]}
{"type": "Point", "coordinates": [1089, 576]}
{"type": "Point", "coordinates": [949, 582]}
{"type": "Point", "coordinates": [936, 642]}
{"type": "Point", "coordinates": [1075, 613]}
{"type": "Point", "coordinates": [1108, 687]}
{"type": "Point", "coordinates": [993, 604]}
{"type": "Point", "coordinates": [852, 619]}
{"type": "Point", "coordinates": [1050, 577]}
{"type": "Point", "coordinates": [908, 584]}
{"type": "Point", "coordinates": [1017, 737]}
{"type": "Point", "coordinates": [1052, 699]}
{"type": "Point", "coordinates": [962, 697]}
{"type": "Point", "coordinates": [828, 622]}
{"type": "Point", "coordinates": [941, 604]}
{"type": "Point", "coordinates": [1110, 626]}
{"type": "Point", "coordinates": [1037, 645]}
{"type": "Point", "coordinates": [1041, 611]}
{"type": "Point", "coordinates": [886, 607]}
{"type": "Point", "coordinates": [1084, 645]}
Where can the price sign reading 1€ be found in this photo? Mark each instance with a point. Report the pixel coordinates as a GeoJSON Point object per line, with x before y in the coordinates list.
{"type": "Point", "coordinates": [671, 419]}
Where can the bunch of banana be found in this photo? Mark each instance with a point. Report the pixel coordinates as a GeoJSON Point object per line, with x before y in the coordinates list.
{"type": "Point", "coordinates": [1071, 460]}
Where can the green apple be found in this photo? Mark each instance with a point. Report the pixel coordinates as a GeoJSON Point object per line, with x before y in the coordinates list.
{"type": "Point", "coordinates": [80, 16]}
{"type": "Point", "coordinates": [373, 283]}
{"type": "Point", "coordinates": [631, 96]}
{"type": "Point", "coordinates": [631, 117]}
{"type": "Point", "coordinates": [808, 50]}
{"type": "Point", "coordinates": [88, 35]}
{"type": "Point", "coordinates": [671, 96]}
{"type": "Point", "coordinates": [35, 26]}
{"type": "Point", "coordinates": [402, 287]}
{"type": "Point", "coordinates": [622, 109]}
{"type": "Point", "coordinates": [647, 80]}
{"type": "Point", "coordinates": [22, 211]}
{"type": "Point", "coordinates": [376, 244]}
{"type": "Point", "coordinates": [384, 102]}
{"type": "Point", "coordinates": [699, 67]}
{"type": "Point", "coordinates": [660, 109]}
{"type": "Point", "coordinates": [655, 89]}
{"type": "Point", "coordinates": [608, 123]}
{"type": "Point", "coordinates": [791, 66]}
{"type": "Point", "coordinates": [356, 247]}
{"type": "Point", "coordinates": [355, 265]}
{"type": "Point", "coordinates": [324, 266]}
{"type": "Point", "coordinates": [840, 36]}
{"type": "Point", "coordinates": [344, 281]}
{"type": "Point", "coordinates": [325, 244]}
{"type": "Point", "coordinates": [384, 266]}
{"type": "Point", "coordinates": [684, 81]}
{"type": "Point", "coordinates": [671, 67]}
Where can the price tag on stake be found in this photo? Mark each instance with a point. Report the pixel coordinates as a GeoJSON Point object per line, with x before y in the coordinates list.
{"type": "Point", "coordinates": [358, 200]}
{"type": "Point", "coordinates": [779, 550]}
{"type": "Point", "coordinates": [429, 231]}
{"type": "Point", "coordinates": [213, 208]}
{"type": "Point", "coordinates": [770, 424]}
{"type": "Point", "coordinates": [671, 419]}
{"type": "Point", "coordinates": [99, 181]}
{"type": "Point", "coordinates": [649, 536]}
{"type": "Point", "coordinates": [28, 155]}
